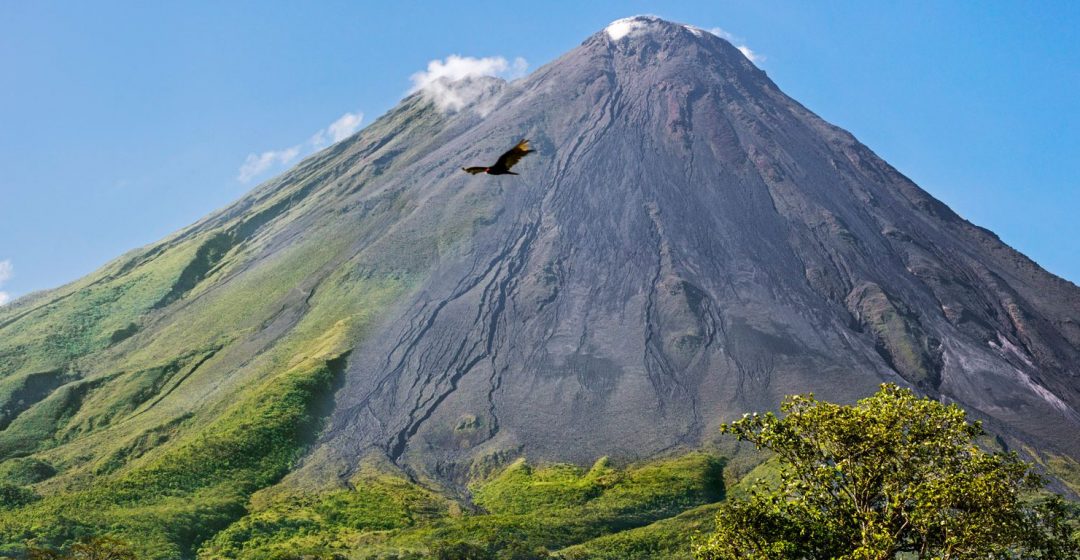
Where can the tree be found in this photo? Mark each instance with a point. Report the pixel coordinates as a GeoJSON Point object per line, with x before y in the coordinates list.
{"type": "Point", "coordinates": [460, 550]}
{"type": "Point", "coordinates": [12, 496]}
{"type": "Point", "coordinates": [892, 476]}
{"type": "Point", "coordinates": [97, 548]}
{"type": "Point", "coordinates": [517, 550]}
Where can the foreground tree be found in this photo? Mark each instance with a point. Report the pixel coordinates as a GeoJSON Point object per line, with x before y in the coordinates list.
{"type": "Point", "coordinates": [892, 476]}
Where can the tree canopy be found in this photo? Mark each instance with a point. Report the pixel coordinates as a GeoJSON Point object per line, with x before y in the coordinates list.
{"type": "Point", "coordinates": [893, 476]}
{"type": "Point", "coordinates": [97, 548]}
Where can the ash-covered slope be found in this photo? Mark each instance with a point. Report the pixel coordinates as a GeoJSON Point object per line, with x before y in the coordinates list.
{"type": "Point", "coordinates": [687, 244]}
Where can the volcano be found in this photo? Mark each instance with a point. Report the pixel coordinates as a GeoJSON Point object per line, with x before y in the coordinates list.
{"type": "Point", "coordinates": [687, 244]}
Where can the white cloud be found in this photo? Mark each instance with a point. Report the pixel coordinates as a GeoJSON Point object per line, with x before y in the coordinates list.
{"type": "Point", "coordinates": [6, 272]}
{"type": "Point", "coordinates": [622, 27]}
{"type": "Point", "coordinates": [724, 35]}
{"type": "Point", "coordinates": [451, 83]}
{"type": "Point", "coordinates": [257, 164]}
{"type": "Point", "coordinates": [753, 56]}
{"type": "Point", "coordinates": [738, 43]}
{"type": "Point", "coordinates": [344, 127]}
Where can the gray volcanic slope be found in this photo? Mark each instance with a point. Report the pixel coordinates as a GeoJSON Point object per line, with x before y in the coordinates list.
{"type": "Point", "coordinates": [687, 244]}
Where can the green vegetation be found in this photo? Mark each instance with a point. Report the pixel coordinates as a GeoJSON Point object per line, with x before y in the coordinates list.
{"type": "Point", "coordinates": [152, 399]}
{"type": "Point", "coordinates": [893, 476]}
{"type": "Point", "coordinates": [83, 317]}
{"type": "Point", "coordinates": [522, 512]}
{"type": "Point", "coordinates": [170, 503]}
{"type": "Point", "coordinates": [321, 523]}
{"type": "Point", "coordinates": [167, 506]}
{"type": "Point", "coordinates": [96, 548]}
{"type": "Point", "coordinates": [25, 470]}
{"type": "Point", "coordinates": [901, 340]}
{"type": "Point", "coordinates": [667, 538]}
{"type": "Point", "coordinates": [1066, 470]}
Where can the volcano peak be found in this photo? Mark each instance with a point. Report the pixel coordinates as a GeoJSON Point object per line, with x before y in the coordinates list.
{"type": "Point", "coordinates": [646, 24]}
{"type": "Point", "coordinates": [624, 27]}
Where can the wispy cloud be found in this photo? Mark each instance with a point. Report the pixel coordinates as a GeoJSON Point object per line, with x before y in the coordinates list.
{"type": "Point", "coordinates": [6, 271]}
{"type": "Point", "coordinates": [450, 84]}
{"type": "Point", "coordinates": [739, 44]}
{"type": "Point", "coordinates": [723, 34]}
{"type": "Point", "coordinates": [255, 165]}
{"type": "Point", "coordinates": [753, 56]}
{"type": "Point", "coordinates": [338, 130]}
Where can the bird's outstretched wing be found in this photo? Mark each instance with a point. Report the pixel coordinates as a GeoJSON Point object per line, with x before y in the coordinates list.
{"type": "Point", "coordinates": [511, 157]}
{"type": "Point", "coordinates": [474, 170]}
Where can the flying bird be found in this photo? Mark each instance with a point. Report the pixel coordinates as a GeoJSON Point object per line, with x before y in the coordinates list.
{"type": "Point", "coordinates": [506, 161]}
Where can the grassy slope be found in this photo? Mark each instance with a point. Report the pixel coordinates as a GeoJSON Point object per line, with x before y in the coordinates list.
{"type": "Point", "coordinates": [667, 538]}
{"type": "Point", "coordinates": [533, 508]}
{"type": "Point", "coordinates": [175, 499]}
{"type": "Point", "coordinates": [186, 489]}
{"type": "Point", "coordinates": [115, 388]}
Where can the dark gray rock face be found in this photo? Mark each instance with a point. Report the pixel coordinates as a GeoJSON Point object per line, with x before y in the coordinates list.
{"type": "Point", "coordinates": [687, 244]}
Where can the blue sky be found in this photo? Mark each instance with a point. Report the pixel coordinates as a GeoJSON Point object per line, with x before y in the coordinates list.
{"type": "Point", "coordinates": [121, 122]}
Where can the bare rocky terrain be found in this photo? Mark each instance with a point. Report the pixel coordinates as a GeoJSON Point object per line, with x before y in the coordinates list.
{"type": "Point", "coordinates": [688, 244]}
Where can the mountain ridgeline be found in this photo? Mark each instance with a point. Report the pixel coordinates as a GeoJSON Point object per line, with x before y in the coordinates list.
{"type": "Point", "coordinates": [687, 244]}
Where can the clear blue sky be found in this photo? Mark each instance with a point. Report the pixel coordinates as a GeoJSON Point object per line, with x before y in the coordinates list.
{"type": "Point", "coordinates": [121, 122]}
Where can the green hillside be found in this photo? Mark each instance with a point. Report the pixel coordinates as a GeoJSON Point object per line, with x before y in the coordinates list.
{"type": "Point", "coordinates": [152, 398]}
{"type": "Point", "coordinates": [165, 399]}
